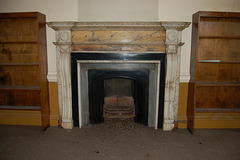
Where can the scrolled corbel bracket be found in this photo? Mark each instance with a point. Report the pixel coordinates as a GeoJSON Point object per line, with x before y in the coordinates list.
{"type": "Point", "coordinates": [64, 83]}
{"type": "Point", "coordinates": [172, 48]}
{"type": "Point", "coordinates": [174, 35]}
{"type": "Point", "coordinates": [64, 25]}
{"type": "Point", "coordinates": [179, 26]}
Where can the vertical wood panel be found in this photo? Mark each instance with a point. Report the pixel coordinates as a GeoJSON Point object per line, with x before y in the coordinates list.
{"type": "Point", "coordinates": [219, 26]}
{"type": "Point", "coordinates": [19, 76]}
{"type": "Point", "coordinates": [45, 110]}
{"type": "Point", "coordinates": [218, 72]}
{"type": "Point", "coordinates": [219, 49]}
{"type": "Point", "coordinates": [191, 108]}
{"type": "Point", "coordinates": [218, 97]}
{"type": "Point", "coordinates": [216, 75]}
{"type": "Point", "coordinates": [53, 100]}
{"type": "Point", "coordinates": [19, 53]}
{"type": "Point", "coordinates": [20, 97]}
{"type": "Point", "coordinates": [18, 29]}
{"type": "Point", "coordinates": [16, 117]}
{"type": "Point", "coordinates": [23, 61]}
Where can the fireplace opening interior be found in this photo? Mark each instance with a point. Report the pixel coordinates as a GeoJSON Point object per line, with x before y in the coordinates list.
{"type": "Point", "coordinates": [118, 95]}
{"type": "Point", "coordinates": [118, 99]}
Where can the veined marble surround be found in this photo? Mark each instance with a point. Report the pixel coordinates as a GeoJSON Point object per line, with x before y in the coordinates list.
{"type": "Point", "coordinates": [153, 66]}
{"type": "Point", "coordinates": [172, 44]}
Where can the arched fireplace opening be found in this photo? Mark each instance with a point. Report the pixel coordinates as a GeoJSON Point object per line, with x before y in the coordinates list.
{"type": "Point", "coordinates": [111, 90]}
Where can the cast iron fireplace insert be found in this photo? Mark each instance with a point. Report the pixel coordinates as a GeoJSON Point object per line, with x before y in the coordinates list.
{"type": "Point", "coordinates": [96, 87]}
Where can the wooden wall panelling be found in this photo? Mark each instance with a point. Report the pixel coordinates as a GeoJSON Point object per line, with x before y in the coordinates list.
{"type": "Point", "coordinates": [45, 108]}
{"type": "Point", "coordinates": [219, 49]}
{"type": "Point", "coordinates": [215, 63]}
{"type": "Point", "coordinates": [191, 108]}
{"type": "Point", "coordinates": [53, 101]}
{"type": "Point", "coordinates": [15, 53]}
{"type": "Point", "coordinates": [220, 120]}
{"type": "Point", "coordinates": [18, 30]}
{"type": "Point", "coordinates": [217, 98]}
{"type": "Point", "coordinates": [191, 88]}
{"type": "Point", "coordinates": [218, 72]}
{"type": "Point", "coordinates": [219, 27]}
{"type": "Point", "coordinates": [20, 75]}
{"type": "Point", "coordinates": [20, 117]}
{"type": "Point", "coordinates": [20, 97]}
{"type": "Point", "coordinates": [23, 63]}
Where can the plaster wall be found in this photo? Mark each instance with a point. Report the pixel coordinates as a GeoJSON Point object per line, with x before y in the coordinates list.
{"type": "Point", "coordinates": [175, 10]}
{"type": "Point", "coordinates": [55, 10]}
{"type": "Point", "coordinates": [119, 10]}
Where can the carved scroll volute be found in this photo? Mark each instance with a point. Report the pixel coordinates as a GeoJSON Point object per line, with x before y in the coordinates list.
{"type": "Point", "coordinates": [64, 77]}
{"type": "Point", "coordinates": [173, 49]}
{"type": "Point", "coordinates": [172, 41]}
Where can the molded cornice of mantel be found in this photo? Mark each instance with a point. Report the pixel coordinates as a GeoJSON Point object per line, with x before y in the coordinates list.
{"type": "Point", "coordinates": [175, 25]}
{"type": "Point", "coordinates": [70, 25]}
{"type": "Point", "coordinates": [64, 25]}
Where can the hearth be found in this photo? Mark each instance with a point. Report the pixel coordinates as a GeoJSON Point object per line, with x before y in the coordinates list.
{"type": "Point", "coordinates": [110, 43]}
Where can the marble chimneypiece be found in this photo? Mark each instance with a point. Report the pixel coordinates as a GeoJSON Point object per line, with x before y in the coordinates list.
{"type": "Point", "coordinates": [120, 37]}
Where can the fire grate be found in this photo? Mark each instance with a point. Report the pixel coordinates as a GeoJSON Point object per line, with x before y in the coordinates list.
{"type": "Point", "coordinates": [118, 107]}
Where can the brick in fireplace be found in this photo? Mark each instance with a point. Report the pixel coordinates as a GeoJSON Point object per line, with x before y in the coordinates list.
{"type": "Point", "coordinates": [118, 100]}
